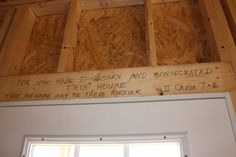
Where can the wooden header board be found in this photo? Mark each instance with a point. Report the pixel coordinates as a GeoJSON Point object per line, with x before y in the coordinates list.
{"type": "Point", "coordinates": [199, 78]}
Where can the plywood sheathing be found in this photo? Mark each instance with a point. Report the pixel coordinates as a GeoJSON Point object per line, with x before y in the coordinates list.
{"type": "Point", "coordinates": [44, 47]}
{"type": "Point", "coordinates": [111, 38]}
{"type": "Point", "coordinates": [180, 34]}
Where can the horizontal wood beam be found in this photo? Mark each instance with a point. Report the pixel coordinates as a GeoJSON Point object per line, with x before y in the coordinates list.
{"type": "Point", "coordinates": [146, 81]}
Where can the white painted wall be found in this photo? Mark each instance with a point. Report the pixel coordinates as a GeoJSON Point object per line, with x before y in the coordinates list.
{"type": "Point", "coordinates": [206, 121]}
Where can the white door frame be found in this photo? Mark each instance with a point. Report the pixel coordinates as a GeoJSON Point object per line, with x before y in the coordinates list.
{"type": "Point", "coordinates": [184, 97]}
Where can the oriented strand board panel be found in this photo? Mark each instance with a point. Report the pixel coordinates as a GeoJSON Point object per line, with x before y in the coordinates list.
{"type": "Point", "coordinates": [180, 34]}
{"type": "Point", "coordinates": [126, 82]}
{"type": "Point", "coordinates": [111, 38]}
{"type": "Point", "coordinates": [43, 50]}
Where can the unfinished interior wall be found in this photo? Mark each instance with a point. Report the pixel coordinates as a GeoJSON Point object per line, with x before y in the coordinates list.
{"type": "Point", "coordinates": [43, 50]}
{"type": "Point", "coordinates": [229, 7]}
{"type": "Point", "coordinates": [111, 38]}
{"type": "Point", "coordinates": [2, 16]}
{"type": "Point", "coordinates": [180, 35]}
{"type": "Point", "coordinates": [6, 15]}
{"type": "Point", "coordinates": [178, 38]}
{"type": "Point", "coordinates": [2, 13]}
{"type": "Point", "coordinates": [115, 38]}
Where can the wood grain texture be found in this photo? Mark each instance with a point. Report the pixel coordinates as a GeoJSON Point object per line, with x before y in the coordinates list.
{"type": "Point", "coordinates": [13, 49]}
{"type": "Point", "coordinates": [111, 38]}
{"type": "Point", "coordinates": [220, 38]}
{"type": "Point", "coordinates": [9, 3]}
{"type": "Point", "coordinates": [2, 33]}
{"type": "Point", "coordinates": [229, 7]}
{"type": "Point", "coordinates": [51, 7]}
{"type": "Point", "coordinates": [67, 54]}
{"type": "Point", "coordinates": [43, 50]}
{"type": "Point", "coordinates": [6, 17]}
{"type": "Point", "coordinates": [126, 82]}
{"type": "Point", "coordinates": [2, 14]}
{"type": "Point", "coordinates": [233, 98]}
{"type": "Point", "coordinates": [180, 34]}
{"type": "Point", "coordinates": [218, 30]}
{"type": "Point", "coordinates": [99, 4]}
{"type": "Point", "coordinates": [2, 29]}
{"type": "Point", "coordinates": [150, 33]}
{"type": "Point", "coordinates": [86, 4]}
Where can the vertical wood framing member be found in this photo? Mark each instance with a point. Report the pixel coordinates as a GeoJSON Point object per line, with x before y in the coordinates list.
{"type": "Point", "coordinates": [230, 12]}
{"type": "Point", "coordinates": [5, 24]}
{"type": "Point", "coordinates": [220, 37]}
{"type": "Point", "coordinates": [66, 60]}
{"type": "Point", "coordinates": [16, 41]}
{"type": "Point", "coordinates": [219, 34]}
{"type": "Point", "coordinates": [150, 33]}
